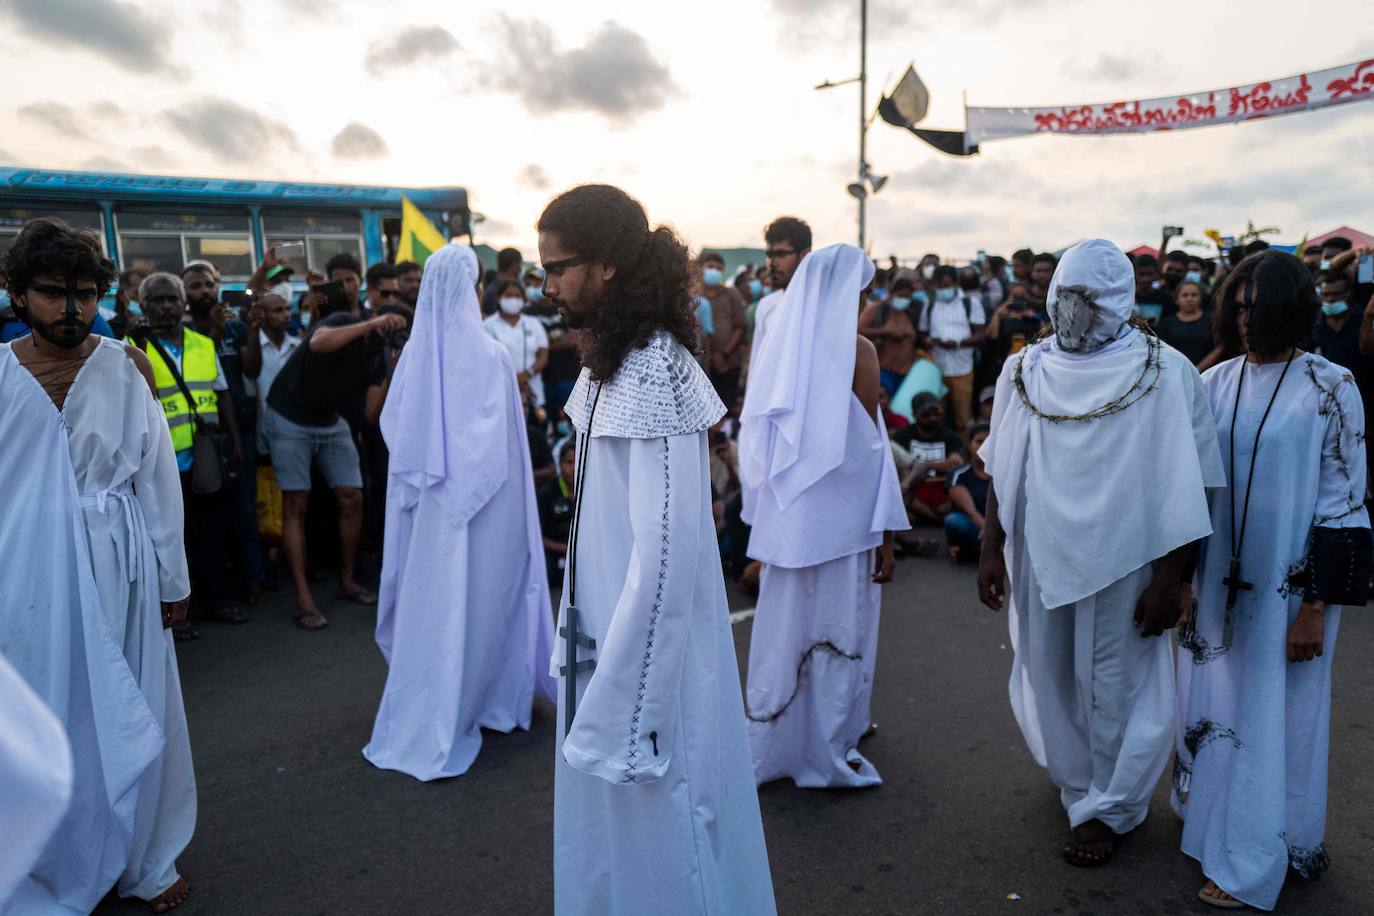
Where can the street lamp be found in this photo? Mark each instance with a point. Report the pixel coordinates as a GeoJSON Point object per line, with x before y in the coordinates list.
{"type": "Point", "coordinates": [868, 183]}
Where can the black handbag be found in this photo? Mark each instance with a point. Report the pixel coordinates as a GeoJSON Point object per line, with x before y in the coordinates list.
{"type": "Point", "coordinates": [212, 450]}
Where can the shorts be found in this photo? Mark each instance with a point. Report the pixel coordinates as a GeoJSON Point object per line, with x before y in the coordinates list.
{"type": "Point", "coordinates": [294, 448]}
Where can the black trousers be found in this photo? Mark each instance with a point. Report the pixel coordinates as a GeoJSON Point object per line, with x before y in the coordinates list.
{"type": "Point", "coordinates": [207, 519]}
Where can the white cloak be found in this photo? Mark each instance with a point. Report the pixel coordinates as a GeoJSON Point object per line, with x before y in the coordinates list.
{"type": "Point", "coordinates": [1081, 500]}
{"type": "Point", "coordinates": [35, 777]}
{"type": "Point", "coordinates": [463, 617]}
{"type": "Point", "coordinates": [1251, 775]}
{"type": "Point", "coordinates": [102, 661]}
{"type": "Point", "coordinates": [655, 807]}
{"type": "Point", "coordinates": [820, 490]}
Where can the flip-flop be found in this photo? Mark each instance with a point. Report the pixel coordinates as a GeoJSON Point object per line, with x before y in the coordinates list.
{"type": "Point", "coordinates": [359, 595]}
{"type": "Point", "coordinates": [311, 620]}
{"type": "Point", "coordinates": [1232, 904]}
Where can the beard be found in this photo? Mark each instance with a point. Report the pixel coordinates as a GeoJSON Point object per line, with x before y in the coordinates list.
{"type": "Point", "coordinates": [67, 333]}
{"type": "Point", "coordinates": [585, 318]}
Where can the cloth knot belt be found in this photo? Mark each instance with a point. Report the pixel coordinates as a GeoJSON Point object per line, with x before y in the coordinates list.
{"type": "Point", "coordinates": [135, 528]}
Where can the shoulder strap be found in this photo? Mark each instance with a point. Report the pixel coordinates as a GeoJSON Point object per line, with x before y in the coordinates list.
{"type": "Point", "coordinates": [968, 308]}
{"type": "Point", "coordinates": [176, 376]}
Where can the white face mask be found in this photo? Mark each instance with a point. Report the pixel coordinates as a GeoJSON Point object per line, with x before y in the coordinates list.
{"type": "Point", "coordinates": [512, 305]}
{"type": "Point", "coordinates": [283, 290]}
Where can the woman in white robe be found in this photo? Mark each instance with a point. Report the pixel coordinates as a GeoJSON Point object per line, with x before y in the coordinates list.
{"type": "Point", "coordinates": [126, 490]}
{"type": "Point", "coordinates": [1250, 778]}
{"type": "Point", "coordinates": [821, 492]}
{"type": "Point", "coordinates": [464, 619]}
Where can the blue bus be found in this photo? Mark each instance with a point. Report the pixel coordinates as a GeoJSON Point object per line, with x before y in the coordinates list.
{"type": "Point", "coordinates": [155, 222]}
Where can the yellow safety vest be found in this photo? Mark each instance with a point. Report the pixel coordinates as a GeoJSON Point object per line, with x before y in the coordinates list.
{"type": "Point", "coordinates": [198, 371]}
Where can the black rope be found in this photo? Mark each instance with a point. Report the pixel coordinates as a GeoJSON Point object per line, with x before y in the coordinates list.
{"type": "Point", "coordinates": [827, 646]}
{"type": "Point", "coordinates": [576, 526]}
{"type": "Point", "coordinates": [1237, 544]}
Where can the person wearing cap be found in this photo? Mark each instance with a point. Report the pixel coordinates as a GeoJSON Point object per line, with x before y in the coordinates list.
{"type": "Point", "coordinates": [986, 398]}
{"type": "Point", "coordinates": [1101, 453]}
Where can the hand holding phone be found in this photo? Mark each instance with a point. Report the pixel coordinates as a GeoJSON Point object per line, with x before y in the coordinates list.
{"type": "Point", "coordinates": [1365, 272]}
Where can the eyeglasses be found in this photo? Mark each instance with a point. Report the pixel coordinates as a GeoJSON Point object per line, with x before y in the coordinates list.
{"type": "Point", "coordinates": [388, 293]}
{"type": "Point", "coordinates": [84, 295]}
{"type": "Point", "coordinates": [777, 254]}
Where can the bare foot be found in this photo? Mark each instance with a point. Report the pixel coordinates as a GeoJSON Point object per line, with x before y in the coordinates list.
{"type": "Point", "coordinates": [172, 897]}
{"type": "Point", "coordinates": [308, 618]}
{"type": "Point", "coordinates": [954, 552]}
{"type": "Point", "coordinates": [1093, 844]}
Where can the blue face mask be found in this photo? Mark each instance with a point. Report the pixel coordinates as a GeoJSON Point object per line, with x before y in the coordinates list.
{"type": "Point", "coordinates": [534, 293]}
{"type": "Point", "coordinates": [948, 294]}
{"type": "Point", "coordinates": [1334, 308]}
{"type": "Point", "coordinates": [1193, 276]}
{"type": "Point", "coordinates": [880, 294]}
{"type": "Point", "coordinates": [1007, 273]}
{"type": "Point", "coordinates": [755, 288]}
{"type": "Point", "coordinates": [4, 298]}
{"type": "Point", "coordinates": [921, 296]}
{"type": "Point", "coordinates": [712, 276]}
{"type": "Point", "coordinates": [901, 303]}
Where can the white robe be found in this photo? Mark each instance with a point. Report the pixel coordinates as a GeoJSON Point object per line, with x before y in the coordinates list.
{"type": "Point", "coordinates": [1094, 699]}
{"type": "Point", "coordinates": [463, 619]}
{"type": "Point", "coordinates": [820, 490]}
{"type": "Point", "coordinates": [35, 777]}
{"type": "Point", "coordinates": [103, 662]}
{"type": "Point", "coordinates": [655, 808]}
{"type": "Point", "coordinates": [1251, 775]}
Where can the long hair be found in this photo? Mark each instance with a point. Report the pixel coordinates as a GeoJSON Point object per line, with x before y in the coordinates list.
{"type": "Point", "coordinates": [652, 286]}
{"type": "Point", "coordinates": [1281, 304]}
{"type": "Point", "coordinates": [48, 245]}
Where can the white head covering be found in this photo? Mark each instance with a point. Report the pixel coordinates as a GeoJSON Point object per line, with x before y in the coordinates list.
{"type": "Point", "coordinates": [1091, 296]}
{"type": "Point", "coordinates": [794, 428]}
{"type": "Point", "coordinates": [447, 413]}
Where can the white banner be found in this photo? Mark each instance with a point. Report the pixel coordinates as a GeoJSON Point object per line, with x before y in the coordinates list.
{"type": "Point", "coordinates": [1349, 83]}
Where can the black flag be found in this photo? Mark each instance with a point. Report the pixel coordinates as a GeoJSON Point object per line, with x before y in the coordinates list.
{"type": "Point", "coordinates": [907, 105]}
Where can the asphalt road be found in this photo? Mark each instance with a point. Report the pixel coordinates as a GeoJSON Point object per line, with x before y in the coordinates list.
{"type": "Point", "coordinates": [294, 821]}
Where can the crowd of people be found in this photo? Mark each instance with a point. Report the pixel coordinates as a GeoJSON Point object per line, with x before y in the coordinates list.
{"type": "Point", "coordinates": [278, 412]}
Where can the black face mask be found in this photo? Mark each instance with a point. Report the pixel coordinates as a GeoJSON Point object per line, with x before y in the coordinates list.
{"type": "Point", "coordinates": [68, 332]}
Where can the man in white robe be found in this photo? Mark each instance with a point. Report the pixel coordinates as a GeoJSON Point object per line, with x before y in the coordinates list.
{"type": "Point", "coordinates": [822, 496]}
{"type": "Point", "coordinates": [1254, 697]}
{"type": "Point", "coordinates": [655, 809]}
{"type": "Point", "coordinates": [1101, 451]}
{"type": "Point", "coordinates": [463, 617]}
{"type": "Point", "coordinates": [35, 777]}
{"type": "Point", "coordinates": [93, 515]}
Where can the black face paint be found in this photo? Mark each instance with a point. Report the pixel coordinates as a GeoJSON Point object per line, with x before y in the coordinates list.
{"type": "Point", "coordinates": [68, 332]}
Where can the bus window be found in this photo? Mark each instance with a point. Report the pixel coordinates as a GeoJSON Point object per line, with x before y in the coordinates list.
{"type": "Point", "coordinates": [167, 240]}
{"type": "Point", "coordinates": [391, 237]}
{"type": "Point", "coordinates": [12, 219]}
{"type": "Point", "coordinates": [323, 234]}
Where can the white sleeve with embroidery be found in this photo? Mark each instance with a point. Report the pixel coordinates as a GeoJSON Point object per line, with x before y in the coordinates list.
{"type": "Point", "coordinates": [625, 721]}
{"type": "Point", "coordinates": [1341, 484]}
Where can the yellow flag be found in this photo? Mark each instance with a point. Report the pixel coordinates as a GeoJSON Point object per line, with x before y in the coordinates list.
{"type": "Point", "coordinates": [419, 238]}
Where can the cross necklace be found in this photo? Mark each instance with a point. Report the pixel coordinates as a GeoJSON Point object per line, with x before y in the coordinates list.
{"type": "Point", "coordinates": [1233, 581]}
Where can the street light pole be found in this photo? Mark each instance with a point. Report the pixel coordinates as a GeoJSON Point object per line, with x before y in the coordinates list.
{"type": "Point", "coordinates": [863, 120]}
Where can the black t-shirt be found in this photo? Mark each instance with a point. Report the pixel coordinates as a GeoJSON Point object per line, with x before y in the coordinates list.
{"type": "Point", "coordinates": [928, 449]}
{"type": "Point", "coordinates": [976, 486]}
{"type": "Point", "coordinates": [541, 455]}
{"type": "Point", "coordinates": [229, 350]}
{"type": "Point", "coordinates": [1341, 347]}
{"type": "Point", "coordinates": [564, 365]}
{"type": "Point", "coordinates": [314, 389]}
{"type": "Point", "coordinates": [1154, 305]}
{"type": "Point", "coordinates": [1191, 338]}
{"type": "Point", "coordinates": [555, 511]}
{"type": "Point", "coordinates": [1014, 333]}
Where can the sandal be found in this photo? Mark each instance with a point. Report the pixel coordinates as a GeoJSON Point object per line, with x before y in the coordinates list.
{"type": "Point", "coordinates": [185, 633]}
{"type": "Point", "coordinates": [358, 595]}
{"type": "Point", "coordinates": [1074, 857]}
{"type": "Point", "coordinates": [1230, 903]}
{"type": "Point", "coordinates": [230, 614]}
{"type": "Point", "coordinates": [311, 620]}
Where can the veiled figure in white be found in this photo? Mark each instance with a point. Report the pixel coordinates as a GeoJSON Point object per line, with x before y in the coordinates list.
{"type": "Point", "coordinates": [35, 777]}
{"type": "Point", "coordinates": [1254, 698]}
{"type": "Point", "coordinates": [821, 492]}
{"type": "Point", "coordinates": [93, 515]}
{"type": "Point", "coordinates": [1101, 452]}
{"type": "Point", "coordinates": [463, 619]}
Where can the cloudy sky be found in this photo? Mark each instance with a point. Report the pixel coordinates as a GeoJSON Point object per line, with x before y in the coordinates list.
{"type": "Point", "coordinates": [704, 111]}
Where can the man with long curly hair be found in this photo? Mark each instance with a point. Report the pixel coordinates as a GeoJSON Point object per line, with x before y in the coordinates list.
{"type": "Point", "coordinates": [655, 807]}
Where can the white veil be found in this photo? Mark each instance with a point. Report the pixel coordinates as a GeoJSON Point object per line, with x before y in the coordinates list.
{"type": "Point", "coordinates": [446, 416]}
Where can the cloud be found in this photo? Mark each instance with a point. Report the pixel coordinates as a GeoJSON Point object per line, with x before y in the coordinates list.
{"type": "Point", "coordinates": [105, 164]}
{"type": "Point", "coordinates": [1113, 67]}
{"type": "Point", "coordinates": [112, 29]}
{"type": "Point", "coordinates": [7, 157]}
{"type": "Point", "coordinates": [358, 141]}
{"type": "Point", "coordinates": [53, 115]}
{"type": "Point", "coordinates": [231, 132]}
{"type": "Point", "coordinates": [154, 156]}
{"type": "Point", "coordinates": [535, 177]}
{"type": "Point", "coordinates": [491, 228]}
{"type": "Point", "coordinates": [314, 9]}
{"type": "Point", "coordinates": [412, 45]}
{"type": "Point", "coordinates": [805, 23]}
{"type": "Point", "coordinates": [614, 74]}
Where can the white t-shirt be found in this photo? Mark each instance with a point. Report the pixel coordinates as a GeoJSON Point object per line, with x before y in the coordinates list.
{"type": "Point", "coordinates": [523, 340]}
{"type": "Point", "coordinates": [952, 321]}
{"type": "Point", "coordinates": [272, 361]}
